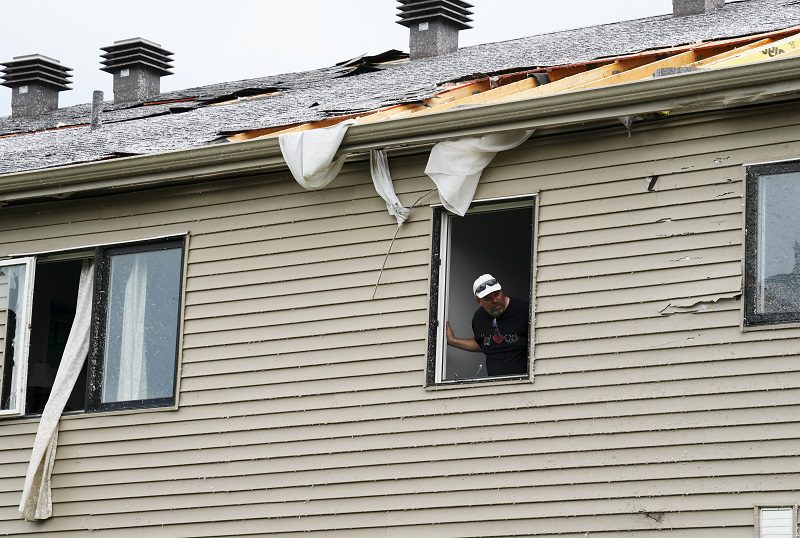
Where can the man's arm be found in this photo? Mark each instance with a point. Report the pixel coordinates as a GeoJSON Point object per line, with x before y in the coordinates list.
{"type": "Point", "coordinates": [467, 344]}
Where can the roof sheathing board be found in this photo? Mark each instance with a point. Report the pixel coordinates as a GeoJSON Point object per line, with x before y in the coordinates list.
{"type": "Point", "coordinates": [319, 94]}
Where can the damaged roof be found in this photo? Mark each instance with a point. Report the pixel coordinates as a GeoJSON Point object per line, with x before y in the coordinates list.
{"type": "Point", "coordinates": [206, 115]}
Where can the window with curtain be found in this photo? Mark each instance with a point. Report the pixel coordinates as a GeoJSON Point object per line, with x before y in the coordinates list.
{"type": "Point", "coordinates": [135, 315]}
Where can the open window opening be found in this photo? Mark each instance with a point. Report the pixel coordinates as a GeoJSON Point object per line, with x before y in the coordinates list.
{"type": "Point", "coordinates": [493, 238]}
{"type": "Point", "coordinates": [54, 302]}
{"type": "Point", "coordinates": [130, 327]}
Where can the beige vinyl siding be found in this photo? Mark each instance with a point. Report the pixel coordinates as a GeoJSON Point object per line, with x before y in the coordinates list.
{"type": "Point", "coordinates": [302, 405]}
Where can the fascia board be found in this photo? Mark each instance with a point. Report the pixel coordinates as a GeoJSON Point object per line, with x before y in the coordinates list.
{"type": "Point", "coordinates": [692, 92]}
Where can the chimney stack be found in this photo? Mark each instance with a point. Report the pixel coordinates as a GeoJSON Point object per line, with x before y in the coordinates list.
{"type": "Point", "coordinates": [434, 25]}
{"type": "Point", "coordinates": [35, 81]}
{"type": "Point", "coordinates": [695, 7]}
{"type": "Point", "coordinates": [137, 65]}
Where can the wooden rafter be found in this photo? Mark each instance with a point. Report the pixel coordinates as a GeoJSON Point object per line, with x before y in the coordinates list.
{"type": "Point", "coordinates": [584, 76]}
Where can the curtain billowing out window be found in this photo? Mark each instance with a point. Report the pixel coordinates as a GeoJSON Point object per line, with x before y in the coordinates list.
{"type": "Point", "coordinates": [36, 503]}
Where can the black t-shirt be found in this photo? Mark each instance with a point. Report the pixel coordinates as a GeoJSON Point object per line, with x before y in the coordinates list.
{"type": "Point", "coordinates": [506, 349]}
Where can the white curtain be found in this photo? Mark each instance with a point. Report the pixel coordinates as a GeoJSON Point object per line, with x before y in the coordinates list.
{"type": "Point", "coordinates": [310, 154]}
{"type": "Point", "coordinates": [382, 179]}
{"type": "Point", "coordinates": [131, 376]}
{"type": "Point", "coordinates": [456, 165]}
{"type": "Point", "coordinates": [36, 503]}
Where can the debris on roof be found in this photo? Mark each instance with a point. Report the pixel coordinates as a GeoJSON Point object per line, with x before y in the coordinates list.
{"type": "Point", "coordinates": [388, 86]}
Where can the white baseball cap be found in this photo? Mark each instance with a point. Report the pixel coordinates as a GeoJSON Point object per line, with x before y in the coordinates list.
{"type": "Point", "coordinates": [484, 285]}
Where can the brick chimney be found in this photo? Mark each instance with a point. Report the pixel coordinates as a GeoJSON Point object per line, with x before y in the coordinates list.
{"type": "Point", "coordinates": [695, 7]}
{"type": "Point", "coordinates": [434, 25]}
{"type": "Point", "coordinates": [137, 65]}
{"type": "Point", "coordinates": [35, 82]}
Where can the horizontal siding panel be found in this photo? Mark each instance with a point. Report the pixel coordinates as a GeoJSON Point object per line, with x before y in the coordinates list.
{"type": "Point", "coordinates": [301, 516]}
{"type": "Point", "coordinates": [343, 499]}
{"type": "Point", "coordinates": [282, 412]}
{"type": "Point", "coordinates": [323, 358]}
{"type": "Point", "coordinates": [291, 331]}
{"type": "Point", "coordinates": [320, 298]}
{"type": "Point", "coordinates": [729, 209]}
{"type": "Point", "coordinates": [253, 244]}
{"type": "Point", "coordinates": [324, 255]}
{"type": "Point", "coordinates": [655, 292]}
{"type": "Point", "coordinates": [564, 194]}
{"type": "Point", "coordinates": [753, 349]}
{"type": "Point", "coordinates": [609, 480]}
{"type": "Point", "coordinates": [651, 262]}
{"type": "Point", "coordinates": [640, 248]}
{"type": "Point", "coordinates": [667, 203]}
{"type": "Point", "coordinates": [295, 315]}
{"type": "Point", "coordinates": [341, 283]}
{"type": "Point", "coordinates": [641, 311]}
{"type": "Point", "coordinates": [636, 327]}
{"type": "Point", "coordinates": [640, 279]}
{"type": "Point", "coordinates": [262, 348]}
{"type": "Point", "coordinates": [306, 269]}
{"type": "Point", "coordinates": [651, 230]}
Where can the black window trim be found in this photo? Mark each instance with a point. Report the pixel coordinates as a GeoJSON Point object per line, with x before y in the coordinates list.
{"type": "Point", "coordinates": [98, 331]}
{"type": "Point", "coordinates": [433, 307]}
{"type": "Point", "coordinates": [752, 178]}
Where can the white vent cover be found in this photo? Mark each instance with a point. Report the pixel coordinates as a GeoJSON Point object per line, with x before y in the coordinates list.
{"type": "Point", "coordinates": [777, 523]}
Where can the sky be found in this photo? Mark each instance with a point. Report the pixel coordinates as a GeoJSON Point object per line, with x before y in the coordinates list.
{"type": "Point", "coordinates": [217, 41]}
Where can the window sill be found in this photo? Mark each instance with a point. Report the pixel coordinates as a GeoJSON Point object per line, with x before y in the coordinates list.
{"type": "Point", "coordinates": [467, 383]}
{"type": "Point", "coordinates": [771, 326]}
{"type": "Point", "coordinates": [76, 415]}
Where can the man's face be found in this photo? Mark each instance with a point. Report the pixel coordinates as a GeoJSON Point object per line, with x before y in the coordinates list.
{"type": "Point", "coordinates": [494, 303]}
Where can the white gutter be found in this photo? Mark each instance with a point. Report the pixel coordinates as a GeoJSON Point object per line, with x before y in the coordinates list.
{"type": "Point", "coordinates": [698, 91]}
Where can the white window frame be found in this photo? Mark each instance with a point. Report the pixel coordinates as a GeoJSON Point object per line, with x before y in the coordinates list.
{"type": "Point", "coordinates": [490, 205]}
{"type": "Point", "coordinates": [20, 374]}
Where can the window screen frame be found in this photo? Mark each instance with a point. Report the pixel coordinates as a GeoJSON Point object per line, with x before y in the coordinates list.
{"type": "Point", "coordinates": [25, 320]}
{"type": "Point", "coordinates": [436, 343]}
{"type": "Point", "coordinates": [753, 174]}
{"type": "Point", "coordinates": [96, 355]}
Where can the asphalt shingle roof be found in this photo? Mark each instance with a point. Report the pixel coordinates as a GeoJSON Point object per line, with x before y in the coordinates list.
{"type": "Point", "coordinates": [63, 137]}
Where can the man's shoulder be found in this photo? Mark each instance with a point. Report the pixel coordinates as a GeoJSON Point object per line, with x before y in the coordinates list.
{"type": "Point", "coordinates": [518, 303]}
{"type": "Point", "coordinates": [518, 306]}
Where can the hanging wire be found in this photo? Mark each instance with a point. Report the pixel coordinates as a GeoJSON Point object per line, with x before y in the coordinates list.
{"type": "Point", "coordinates": [389, 250]}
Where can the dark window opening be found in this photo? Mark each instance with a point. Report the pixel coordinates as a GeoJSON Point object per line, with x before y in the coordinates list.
{"type": "Point", "coordinates": [54, 301]}
{"type": "Point", "coordinates": [494, 238]}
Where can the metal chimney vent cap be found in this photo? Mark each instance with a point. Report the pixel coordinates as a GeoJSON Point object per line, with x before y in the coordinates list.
{"type": "Point", "coordinates": [456, 12]}
{"type": "Point", "coordinates": [136, 52]}
{"type": "Point", "coordinates": [35, 68]}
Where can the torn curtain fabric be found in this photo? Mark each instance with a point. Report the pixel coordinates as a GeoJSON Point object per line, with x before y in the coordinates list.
{"type": "Point", "coordinates": [382, 179]}
{"type": "Point", "coordinates": [310, 154]}
{"type": "Point", "coordinates": [36, 503]}
{"type": "Point", "coordinates": [455, 166]}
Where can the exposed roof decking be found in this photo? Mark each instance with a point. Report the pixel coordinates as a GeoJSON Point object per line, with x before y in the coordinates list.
{"type": "Point", "coordinates": [184, 120]}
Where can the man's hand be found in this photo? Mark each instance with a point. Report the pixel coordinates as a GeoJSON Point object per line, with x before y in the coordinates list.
{"type": "Point", "coordinates": [467, 344]}
{"type": "Point", "coordinates": [449, 332]}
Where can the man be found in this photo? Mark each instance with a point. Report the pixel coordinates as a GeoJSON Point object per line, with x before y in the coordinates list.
{"type": "Point", "coordinates": [500, 328]}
